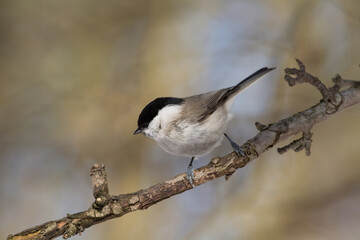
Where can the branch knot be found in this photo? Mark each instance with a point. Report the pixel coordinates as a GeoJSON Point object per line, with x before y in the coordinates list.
{"type": "Point", "coordinates": [100, 185]}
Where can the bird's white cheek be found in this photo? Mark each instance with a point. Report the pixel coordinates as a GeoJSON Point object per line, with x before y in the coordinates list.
{"type": "Point", "coordinates": [146, 133]}
{"type": "Point", "coordinates": [149, 133]}
{"type": "Point", "coordinates": [153, 129]}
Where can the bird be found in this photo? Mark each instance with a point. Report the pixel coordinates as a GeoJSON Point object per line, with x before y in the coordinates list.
{"type": "Point", "coordinates": [193, 126]}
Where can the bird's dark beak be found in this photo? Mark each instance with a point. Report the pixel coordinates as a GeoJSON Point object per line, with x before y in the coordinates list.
{"type": "Point", "coordinates": [137, 131]}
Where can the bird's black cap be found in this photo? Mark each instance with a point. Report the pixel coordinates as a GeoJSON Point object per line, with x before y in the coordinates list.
{"type": "Point", "coordinates": [152, 109]}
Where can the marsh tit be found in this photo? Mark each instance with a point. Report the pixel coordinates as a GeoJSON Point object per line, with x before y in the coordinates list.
{"type": "Point", "coordinates": [195, 125]}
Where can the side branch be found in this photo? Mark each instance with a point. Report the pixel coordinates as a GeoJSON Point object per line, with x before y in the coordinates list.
{"type": "Point", "coordinates": [106, 207]}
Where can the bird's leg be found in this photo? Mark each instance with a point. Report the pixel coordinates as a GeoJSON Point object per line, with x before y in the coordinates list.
{"type": "Point", "coordinates": [190, 172]}
{"type": "Point", "coordinates": [236, 147]}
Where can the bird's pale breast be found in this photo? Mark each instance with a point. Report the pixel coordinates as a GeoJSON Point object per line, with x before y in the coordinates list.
{"type": "Point", "coordinates": [194, 139]}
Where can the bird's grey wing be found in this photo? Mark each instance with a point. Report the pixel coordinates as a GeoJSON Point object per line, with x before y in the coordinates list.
{"type": "Point", "coordinates": [202, 105]}
{"type": "Point", "coordinates": [211, 101]}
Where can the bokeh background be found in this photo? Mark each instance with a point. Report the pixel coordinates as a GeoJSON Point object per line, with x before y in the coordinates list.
{"type": "Point", "coordinates": [74, 75]}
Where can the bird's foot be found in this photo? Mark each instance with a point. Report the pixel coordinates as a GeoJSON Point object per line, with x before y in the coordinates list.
{"type": "Point", "coordinates": [190, 174]}
{"type": "Point", "coordinates": [238, 150]}
{"type": "Point", "coordinates": [235, 146]}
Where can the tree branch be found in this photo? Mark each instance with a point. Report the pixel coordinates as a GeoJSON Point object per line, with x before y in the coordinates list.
{"type": "Point", "coordinates": [106, 207]}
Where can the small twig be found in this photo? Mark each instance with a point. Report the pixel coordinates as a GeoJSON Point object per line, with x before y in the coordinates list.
{"type": "Point", "coordinates": [340, 82]}
{"type": "Point", "coordinates": [301, 76]}
{"type": "Point", "coordinates": [299, 144]}
{"type": "Point", "coordinates": [260, 126]}
{"type": "Point", "coordinates": [100, 185]}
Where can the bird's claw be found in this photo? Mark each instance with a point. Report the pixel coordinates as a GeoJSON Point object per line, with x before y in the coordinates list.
{"type": "Point", "coordinates": [239, 151]}
{"type": "Point", "coordinates": [190, 175]}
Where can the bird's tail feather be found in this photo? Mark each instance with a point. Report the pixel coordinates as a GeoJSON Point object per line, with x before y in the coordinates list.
{"type": "Point", "coordinates": [249, 80]}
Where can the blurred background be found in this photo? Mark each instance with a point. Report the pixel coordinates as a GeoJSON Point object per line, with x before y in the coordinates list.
{"type": "Point", "coordinates": [74, 75]}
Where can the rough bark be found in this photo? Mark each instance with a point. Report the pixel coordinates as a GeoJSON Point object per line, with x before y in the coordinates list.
{"type": "Point", "coordinates": [106, 207]}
